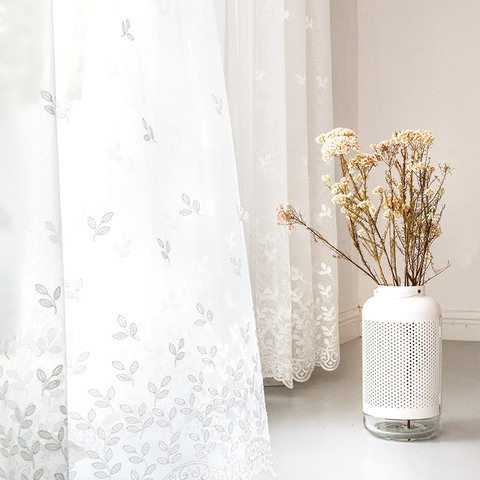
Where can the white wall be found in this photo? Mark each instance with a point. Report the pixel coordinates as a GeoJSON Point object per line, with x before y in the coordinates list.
{"type": "Point", "coordinates": [343, 23]}
{"type": "Point", "coordinates": [419, 67]}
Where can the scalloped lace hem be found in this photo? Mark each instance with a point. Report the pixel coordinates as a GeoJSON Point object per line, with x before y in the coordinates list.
{"type": "Point", "coordinates": [258, 461]}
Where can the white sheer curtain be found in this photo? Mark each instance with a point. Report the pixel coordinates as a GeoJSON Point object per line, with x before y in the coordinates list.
{"type": "Point", "coordinates": [143, 363]}
{"type": "Point", "coordinates": [278, 71]}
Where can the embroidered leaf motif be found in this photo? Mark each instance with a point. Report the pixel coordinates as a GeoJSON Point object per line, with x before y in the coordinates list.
{"type": "Point", "coordinates": [130, 330]}
{"type": "Point", "coordinates": [53, 108]}
{"type": "Point", "coordinates": [149, 135]}
{"type": "Point", "coordinates": [125, 29]}
{"type": "Point", "coordinates": [46, 96]}
{"type": "Point", "coordinates": [49, 302]}
{"type": "Point", "coordinates": [192, 208]}
{"type": "Point", "coordinates": [41, 289]}
{"type": "Point", "coordinates": [165, 247]}
{"type": "Point", "coordinates": [100, 229]}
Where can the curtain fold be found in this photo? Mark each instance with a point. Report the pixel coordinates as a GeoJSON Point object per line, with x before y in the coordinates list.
{"type": "Point", "coordinates": [278, 70]}
{"type": "Point", "coordinates": [132, 351]}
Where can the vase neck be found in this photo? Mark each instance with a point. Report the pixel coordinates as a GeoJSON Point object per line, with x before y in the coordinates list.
{"type": "Point", "coordinates": [399, 292]}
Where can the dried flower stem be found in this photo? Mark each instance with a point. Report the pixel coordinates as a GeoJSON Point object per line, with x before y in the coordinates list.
{"type": "Point", "coordinates": [400, 239]}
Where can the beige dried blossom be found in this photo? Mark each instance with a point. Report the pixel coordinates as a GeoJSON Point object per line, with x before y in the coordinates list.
{"type": "Point", "coordinates": [435, 230]}
{"type": "Point", "coordinates": [387, 147]}
{"type": "Point", "coordinates": [362, 161]}
{"type": "Point", "coordinates": [339, 141]}
{"type": "Point", "coordinates": [432, 191]}
{"type": "Point", "coordinates": [283, 217]}
{"type": "Point", "coordinates": [336, 188]}
{"type": "Point", "coordinates": [409, 137]}
{"type": "Point", "coordinates": [340, 199]}
{"type": "Point", "coordinates": [326, 179]}
{"type": "Point", "coordinates": [446, 169]}
{"type": "Point", "coordinates": [416, 166]}
{"type": "Point", "coordinates": [378, 190]}
{"type": "Point", "coordinates": [364, 205]}
{"type": "Point", "coordinates": [414, 138]}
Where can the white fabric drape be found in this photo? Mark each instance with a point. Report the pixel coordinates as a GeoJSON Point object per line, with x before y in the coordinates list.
{"type": "Point", "coordinates": [143, 363]}
{"type": "Point", "coordinates": [278, 71]}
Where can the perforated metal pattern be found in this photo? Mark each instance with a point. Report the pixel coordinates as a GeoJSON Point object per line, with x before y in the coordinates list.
{"type": "Point", "coordinates": [401, 364]}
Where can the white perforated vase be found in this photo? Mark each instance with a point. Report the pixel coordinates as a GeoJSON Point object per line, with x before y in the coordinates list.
{"type": "Point", "coordinates": [401, 338]}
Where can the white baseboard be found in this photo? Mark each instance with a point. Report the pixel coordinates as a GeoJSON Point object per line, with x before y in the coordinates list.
{"type": "Point", "coordinates": [461, 325]}
{"type": "Point", "coordinates": [456, 325]}
{"type": "Point", "coordinates": [350, 325]}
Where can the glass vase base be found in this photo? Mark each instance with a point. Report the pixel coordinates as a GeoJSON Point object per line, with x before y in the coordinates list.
{"type": "Point", "coordinates": [403, 430]}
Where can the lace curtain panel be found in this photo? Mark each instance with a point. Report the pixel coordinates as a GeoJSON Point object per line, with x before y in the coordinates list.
{"type": "Point", "coordinates": [127, 341]}
{"type": "Point", "coordinates": [278, 71]}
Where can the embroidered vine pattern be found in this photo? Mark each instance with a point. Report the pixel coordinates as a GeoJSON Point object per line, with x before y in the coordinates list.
{"type": "Point", "coordinates": [101, 228]}
{"type": "Point", "coordinates": [176, 351]}
{"type": "Point", "coordinates": [126, 375]}
{"type": "Point", "coordinates": [53, 108]}
{"type": "Point", "coordinates": [125, 30]}
{"type": "Point", "coordinates": [165, 249]}
{"type": "Point", "coordinates": [104, 400]}
{"type": "Point", "coordinates": [207, 316]}
{"type": "Point", "coordinates": [71, 292]}
{"type": "Point", "coordinates": [50, 301]}
{"type": "Point", "coordinates": [129, 329]}
{"type": "Point", "coordinates": [237, 266]}
{"type": "Point", "coordinates": [218, 102]}
{"type": "Point", "coordinates": [79, 366]}
{"type": "Point", "coordinates": [48, 381]}
{"type": "Point", "coordinates": [192, 207]}
{"type": "Point", "coordinates": [55, 236]}
{"type": "Point", "coordinates": [149, 135]}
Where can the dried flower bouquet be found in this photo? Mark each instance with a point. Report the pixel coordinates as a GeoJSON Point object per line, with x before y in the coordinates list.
{"type": "Point", "coordinates": [394, 226]}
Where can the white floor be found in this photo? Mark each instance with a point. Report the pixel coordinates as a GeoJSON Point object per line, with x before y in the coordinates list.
{"type": "Point", "coordinates": [317, 433]}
